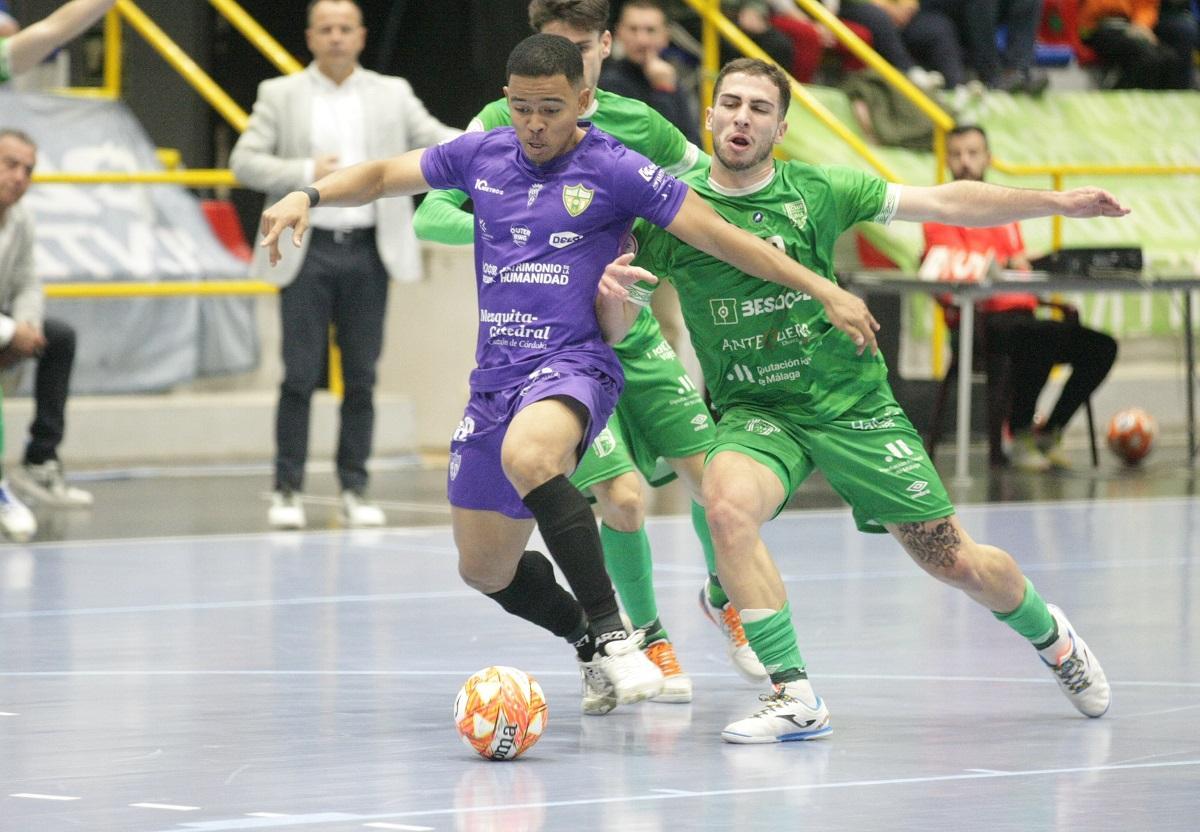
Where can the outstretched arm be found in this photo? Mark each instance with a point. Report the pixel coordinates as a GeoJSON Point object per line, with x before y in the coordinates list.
{"type": "Point", "coordinates": [355, 185]}
{"type": "Point", "coordinates": [28, 46]}
{"type": "Point", "coordinates": [440, 218]}
{"type": "Point", "coordinates": [981, 204]}
{"type": "Point", "coordinates": [698, 225]}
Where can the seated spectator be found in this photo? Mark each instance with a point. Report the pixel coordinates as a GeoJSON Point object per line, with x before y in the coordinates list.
{"type": "Point", "coordinates": [27, 335]}
{"type": "Point", "coordinates": [754, 18]}
{"type": "Point", "coordinates": [643, 74]}
{"type": "Point", "coordinates": [1008, 328]}
{"type": "Point", "coordinates": [977, 21]}
{"type": "Point", "coordinates": [1144, 44]}
{"type": "Point", "coordinates": [920, 43]}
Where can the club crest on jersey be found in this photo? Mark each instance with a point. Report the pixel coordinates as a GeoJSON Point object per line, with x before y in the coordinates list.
{"type": "Point", "coordinates": [577, 198]}
{"type": "Point", "coordinates": [797, 212]}
{"type": "Point", "coordinates": [762, 427]}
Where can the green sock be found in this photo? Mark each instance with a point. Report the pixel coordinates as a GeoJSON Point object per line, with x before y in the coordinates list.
{"type": "Point", "coordinates": [627, 558]}
{"type": "Point", "coordinates": [716, 595]}
{"type": "Point", "coordinates": [1031, 618]}
{"type": "Point", "coordinates": [774, 641]}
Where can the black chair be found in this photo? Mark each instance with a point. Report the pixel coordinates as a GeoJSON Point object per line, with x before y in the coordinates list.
{"type": "Point", "coordinates": [997, 369]}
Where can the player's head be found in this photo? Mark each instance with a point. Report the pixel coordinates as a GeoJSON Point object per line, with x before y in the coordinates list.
{"type": "Point", "coordinates": [18, 154]}
{"type": "Point", "coordinates": [335, 35]}
{"type": "Point", "coordinates": [546, 95]}
{"type": "Point", "coordinates": [642, 30]}
{"type": "Point", "coordinates": [583, 22]}
{"type": "Point", "coordinates": [967, 153]}
{"type": "Point", "coordinates": [750, 100]}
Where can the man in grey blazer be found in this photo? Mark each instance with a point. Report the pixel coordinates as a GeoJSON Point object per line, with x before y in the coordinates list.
{"type": "Point", "coordinates": [333, 114]}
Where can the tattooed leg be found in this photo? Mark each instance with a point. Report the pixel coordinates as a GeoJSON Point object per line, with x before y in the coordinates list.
{"type": "Point", "coordinates": [944, 549]}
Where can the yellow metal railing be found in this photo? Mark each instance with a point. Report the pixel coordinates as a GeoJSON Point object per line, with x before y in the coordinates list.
{"type": "Point", "coordinates": [181, 288]}
{"type": "Point", "coordinates": [259, 37]}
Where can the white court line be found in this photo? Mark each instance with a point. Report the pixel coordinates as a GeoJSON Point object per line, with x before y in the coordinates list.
{"type": "Point", "coordinates": [8, 713]}
{"type": "Point", "coordinates": [267, 815]}
{"type": "Point", "coordinates": [303, 820]}
{"type": "Point", "coordinates": [399, 826]}
{"type": "Point", "coordinates": [468, 594]}
{"type": "Point", "coordinates": [30, 796]}
{"type": "Point", "coordinates": [455, 673]}
{"type": "Point", "coordinates": [170, 807]}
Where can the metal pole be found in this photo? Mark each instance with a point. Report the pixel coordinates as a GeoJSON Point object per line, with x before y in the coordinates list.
{"type": "Point", "coordinates": [966, 360]}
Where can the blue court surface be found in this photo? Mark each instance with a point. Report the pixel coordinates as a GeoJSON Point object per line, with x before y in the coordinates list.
{"type": "Point", "coordinates": [305, 682]}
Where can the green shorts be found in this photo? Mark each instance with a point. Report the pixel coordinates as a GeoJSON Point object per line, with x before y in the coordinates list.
{"type": "Point", "coordinates": [871, 455]}
{"type": "Point", "coordinates": [660, 415]}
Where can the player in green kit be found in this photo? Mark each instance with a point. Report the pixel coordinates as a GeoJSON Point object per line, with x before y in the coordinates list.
{"type": "Point", "coordinates": [793, 394]}
{"type": "Point", "coordinates": [661, 427]}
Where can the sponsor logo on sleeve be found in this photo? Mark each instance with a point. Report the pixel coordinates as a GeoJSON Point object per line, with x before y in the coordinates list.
{"type": "Point", "coordinates": [577, 198]}
{"type": "Point", "coordinates": [562, 239]}
{"type": "Point", "coordinates": [647, 171]}
{"type": "Point", "coordinates": [700, 422]}
{"type": "Point", "coordinates": [484, 232]}
{"type": "Point", "coordinates": [483, 186]}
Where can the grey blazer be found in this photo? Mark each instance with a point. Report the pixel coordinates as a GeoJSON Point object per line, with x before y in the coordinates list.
{"type": "Point", "coordinates": [272, 156]}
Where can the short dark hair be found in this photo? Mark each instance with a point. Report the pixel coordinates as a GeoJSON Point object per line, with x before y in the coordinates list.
{"type": "Point", "coordinates": [653, 5]}
{"type": "Point", "coordinates": [542, 56]}
{"type": "Point", "coordinates": [19, 135]}
{"type": "Point", "coordinates": [964, 129]}
{"type": "Point", "coordinates": [312, 4]}
{"type": "Point", "coordinates": [585, 15]}
{"type": "Point", "coordinates": [761, 69]}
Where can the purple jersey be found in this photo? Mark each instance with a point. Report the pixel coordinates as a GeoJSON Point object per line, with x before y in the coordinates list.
{"type": "Point", "coordinates": [543, 235]}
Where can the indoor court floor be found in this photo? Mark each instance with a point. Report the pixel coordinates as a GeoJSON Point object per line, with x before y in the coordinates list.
{"type": "Point", "coordinates": [166, 667]}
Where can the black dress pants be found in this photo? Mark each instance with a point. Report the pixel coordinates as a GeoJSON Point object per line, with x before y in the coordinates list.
{"type": "Point", "coordinates": [342, 282]}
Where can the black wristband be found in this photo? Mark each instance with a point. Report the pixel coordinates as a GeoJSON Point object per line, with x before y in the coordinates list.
{"type": "Point", "coordinates": [314, 196]}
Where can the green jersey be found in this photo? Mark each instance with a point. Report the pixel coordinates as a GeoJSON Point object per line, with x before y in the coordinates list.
{"type": "Point", "coordinates": [760, 343]}
{"type": "Point", "coordinates": [5, 64]}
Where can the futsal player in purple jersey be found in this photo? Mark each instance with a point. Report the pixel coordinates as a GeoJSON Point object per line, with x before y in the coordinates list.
{"type": "Point", "coordinates": [554, 199]}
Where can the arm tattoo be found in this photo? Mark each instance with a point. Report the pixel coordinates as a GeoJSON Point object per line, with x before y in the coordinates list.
{"type": "Point", "coordinates": [931, 543]}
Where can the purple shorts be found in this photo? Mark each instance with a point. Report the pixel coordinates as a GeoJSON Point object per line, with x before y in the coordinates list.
{"type": "Point", "coordinates": [476, 479]}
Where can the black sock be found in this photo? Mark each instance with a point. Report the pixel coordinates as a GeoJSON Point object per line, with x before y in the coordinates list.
{"type": "Point", "coordinates": [535, 595]}
{"type": "Point", "coordinates": [569, 528]}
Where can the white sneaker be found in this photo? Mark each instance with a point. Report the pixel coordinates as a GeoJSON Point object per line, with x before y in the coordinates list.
{"type": "Point", "coordinates": [16, 520]}
{"type": "Point", "coordinates": [286, 511]}
{"type": "Point", "coordinates": [677, 685]}
{"type": "Point", "coordinates": [739, 649]}
{"type": "Point", "coordinates": [598, 695]}
{"type": "Point", "coordinates": [928, 80]}
{"type": "Point", "coordinates": [793, 712]}
{"type": "Point", "coordinates": [1077, 672]}
{"type": "Point", "coordinates": [45, 483]}
{"type": "Point", "coordinates": [358, 512]}
{"type": "Point", "coordinates": [632, 675]}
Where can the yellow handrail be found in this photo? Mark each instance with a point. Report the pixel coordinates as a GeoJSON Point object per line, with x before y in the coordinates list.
{"type": "Point", "coordinates": [184, 65]}
{"type": "Point", "coordinates": [168, 289]}
{"type": "Point", "coordinates": [712, 17]}
{"type": "Point", "coordinates": [271, 49]}
{"type": "Point", "coordinates": [198, 178]}
{"type": "Point", "coordinates": [113, 50]}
